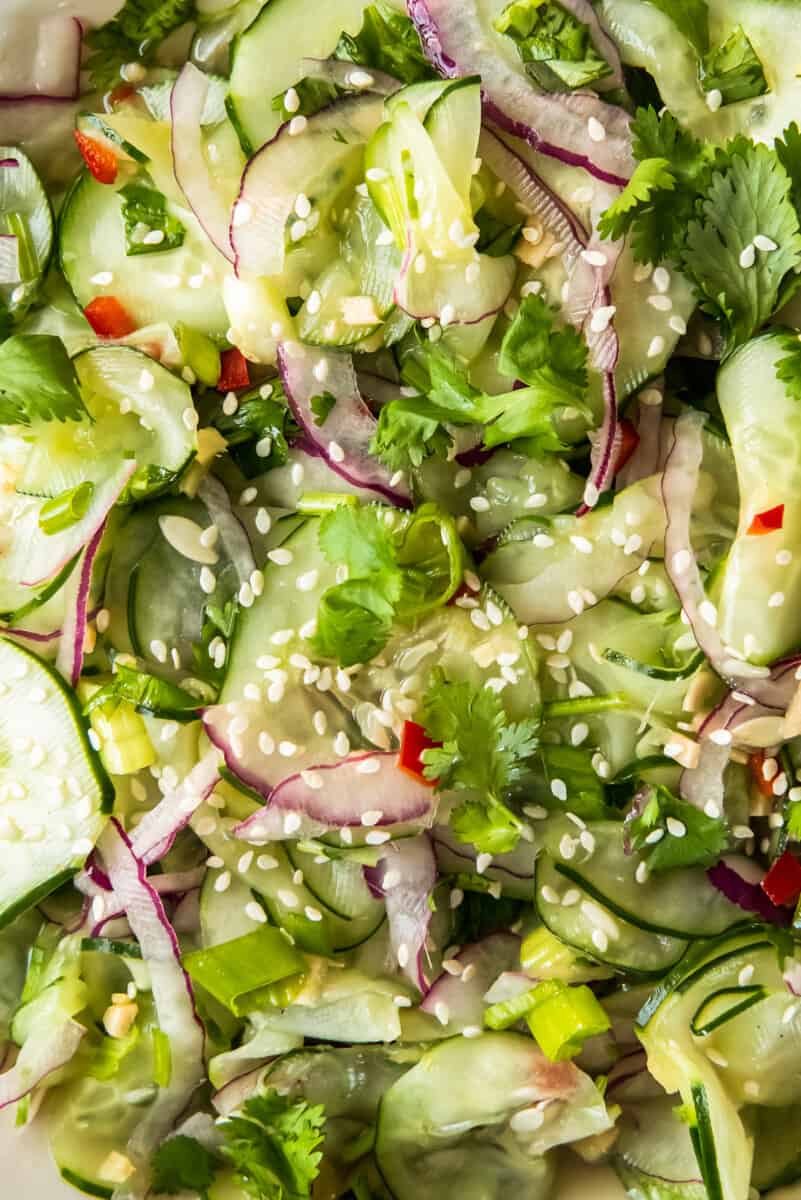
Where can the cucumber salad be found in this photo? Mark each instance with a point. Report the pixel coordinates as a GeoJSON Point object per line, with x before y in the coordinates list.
{"type": "Point", "coordinates": [400, 597]}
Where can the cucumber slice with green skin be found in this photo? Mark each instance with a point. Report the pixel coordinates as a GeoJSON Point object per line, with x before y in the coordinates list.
{"type": "Point", "coordinates": [449, 1118]}
{"type": "Point", "coordinates": [764, 426]}
{"type": "Point", "coordinates": [338, 884]}
{"type": "Point", "coordinates": [25, 213]}
{"type": "Point", "coordinates": [153, 591]}
{"type": "Point", "coordinates": [591, 929]}
{"type": "Point", "coordinates": [305, 30]}
{"type": "Point", "coordinates": [222, 913]}
{"type": "Point", "coordinates": [655, 1151]}
{"type": "Point", "coordinates": [139, 410]}
{"type": "Point", "coordinates": [151, 287]}
{"type": "Point", "coordinates": [48, 829]}
{"type": "Point", "coordinates": [680, 904]}
{"type": "Point", "coordinates": [452, 121]}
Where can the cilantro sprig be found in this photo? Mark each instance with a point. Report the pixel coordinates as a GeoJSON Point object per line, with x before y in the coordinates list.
{"type": "Point", "coordinates": [132, 36]}
{"type": "Point", "coordinates": [481, 752]}
{"type": "Point", "coordinates": [272, 1144]}
{"type": "Point", "coordinates": [37, 381]}
{"type": "Point", "coordinates": [689, 838]}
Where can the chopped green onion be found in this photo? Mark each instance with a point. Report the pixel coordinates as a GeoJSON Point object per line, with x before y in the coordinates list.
{"type": "Point", "coordinates": [199, 353]}
{"type": "Point", "coordinates": [28, 264]}
{"type": "Point", "coordinates": [125, 745]}
{"type": "Point", "coordinates": [313, 504]}
{"type": "Point", "coordinates": [506, 1013]}
{"type": "Point", "coordinates": [66, 509]}
{"type": "Point", "coordinates": [582, 706]}
{"type": "Point", "coordinates": [162, 1059]}
{"type": "Point", "coordinates": [564, 1018]}
{"type": "Point", "coordinates": [543, 956]}
{"type": "Point", "coordinates": [237, 972]}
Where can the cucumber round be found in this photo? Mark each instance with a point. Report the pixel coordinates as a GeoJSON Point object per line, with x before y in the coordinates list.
{"type": "Point", "coordinates": [26, 214]}
{"type": "Point", "coordinates": [47, 829]}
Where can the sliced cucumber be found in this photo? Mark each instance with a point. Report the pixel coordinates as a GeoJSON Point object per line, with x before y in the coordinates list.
{"type": "Point", "coordinates": [303, 29]}
{"type": "Point", "coordinates": [338, 884]}
{"type": "Point", "coordinates": [655, 1151]}
{"type": "Point", "coordinates": [176, 285]}
{"type": "Point", "coordinates": [591, 928]}
{"type": "Point", "coordinates": [139, 410]}
{"type": "Point", "coordinates": [777, 1155]}
{"type": "Point", "coordinates": [681, 903]}
{"type": "Point", "coordinates": [49, 824]}
{"type": "Point", "coordinates": [25, 213]}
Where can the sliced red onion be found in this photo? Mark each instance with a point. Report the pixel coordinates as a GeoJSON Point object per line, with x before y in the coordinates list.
{"type": "Point", "coordinates": [679, 483]}
{"type": "Point", "coordinates": [523, 181]}
{"type": "Point", "coordinates": [9, 162]}
{"type": "Point", "coordinates": [41, 58]}
{"type": "Point", "coordinates": [645, 459]}
{"type": "Point", "coordinates": [232, 531]}
{"type": "Point", "coordinates": [350, 76]}
{"type": "Point", "coordinates": [69, 660]}
{"type": "Point", "coordinates": [605, 447]}
{"type": "Point", "coordinates": [156, 832]}
{"type": "Point", "coordinates": [30, 635]}
{"type": "Point", "coordinates": [9, 258]}
{"type": "Point", "coordinates": [747, 896]}
{"type": "Point", "coordinates": [172, 990]}
{"type": "Point", "coordinates": [343, 439]}
{"type": "Point", "coordinates": [575, 128]}
{"type": "Point", "coordinates": [629, 1080]}
{"type": "Point", "coordinates": [38, 1059]}
{"type": "Point", "coordinates": [363, 791]}
{"type": "Point", "coordinates": [406, 877]}
{"type": "Point", "coordinates": [301, 152]}
{"type": "Point", "coordinates": [456, 999]}
{"type": "Point", "coordinates": [45, 555]}
{"type": "Point", "coordinates": [234, 1094]}
{"type": "Point", "coordinates": [192, 172]}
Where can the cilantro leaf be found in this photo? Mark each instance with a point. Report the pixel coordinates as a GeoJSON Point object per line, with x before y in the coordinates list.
{"type": "Point", "coordinates": [313, 95]}
{"type": "Point", "coordinates": [480, 752]}
{"type": "Point", "coordinates": [700, 845]}
{"type": "Point", "coordinates": [750, 197]}
{"type": "Point", "coordinates": [37, 381]}
{"type": "Point", "coordinates": [556, 46]}
{"type": "Point", "coordinates": [651, 176]}
{"type": "Point", "coordinates": [532, 345]}
{"type": "Point", "coordinates": [273, 1146]}
{"type": "Point", "coordinates": [788, 369]}
{"type": "Point", "coordinates": [788, 150]}
{"type": "Point", "coordinates": [733, 69]}
{"type": "Point", "coordinates": [409, 431]}
{"type": "Point", "coordinates": [691, 18]}
{"type": "Point", "coordinates": [354, 621]}
{"type": "Point", "coordinates": [147, 693]}
{"type": "Point", "coordinates": [258, 424]}
{"type": "Point", "coordinates": [387, 41]}
{"type": "Point", "coordinates": [132, 36]}
{"type": "Point", "coordinates": [361, 539]}
{"type": "Point", "coordinates": [144, 211]}
{"type": "Point", "coordinates": [182, 1164]}
{"type": "Point", "coordinates": [496, 236]}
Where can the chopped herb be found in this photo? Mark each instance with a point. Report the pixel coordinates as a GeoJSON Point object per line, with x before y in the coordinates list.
{"type": "Point", "coordinates": [37, 381]}
{"type": "Point", "coordinates": [133, 35]}
{"type": "Point", "coordinates": [149, 227]}
{"type": "Point", "coordinates": [273, 1146]}
{"type": "Point", "coordinates": [182, 1164]}
{"type": "Point", "coordinates": [322, 407]}
{"type": "Point", "coordinates": [733, 69]}
{"type": "Point", "coordinates": [556, 46]}
{"type": "Point", "coordinates": [689, 837]}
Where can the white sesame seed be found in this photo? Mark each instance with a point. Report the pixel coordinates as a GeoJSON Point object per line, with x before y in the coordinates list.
{"type": "Point", "coordinates": [776, 600]}
{"type": "Point", "coordinates": [602, 318]}
{"type": "Point", "coordinates": [714, 99]}
{"type": "Point", "coordinates": [660, 303]}
{"type": "Point", "coordinates": [291, 100]}
{"type": "Point", "coordinates": [159, 650]}
{"type": "Point", "coordinates": [748, 256]}
{"type": "Point", "coordinates": [765, 244]}
{"type": "Point", "coordinates": [596, 130]}
{"type": "Point", "coordinates": [721, 737]}
{"type": "Point", "coordinates": [483, 862]}
{"type": "Point", "coordinates": [297, 125]}
{"type": "Point", "coordinates": [675, 827]}
{"type": "Point", "coordinates": [559, 789]}
{"type": "Point", "coordinates": [600, 940]}
{"type": "Point", "coordinates": [656, 346]}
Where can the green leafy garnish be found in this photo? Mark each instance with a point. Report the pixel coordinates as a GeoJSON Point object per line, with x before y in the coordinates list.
{"type": "Point", "coordinates": [132, 36]}
{"type": "Point", "coordinates": [749, 199]}
{"type": "Point", "coordinates": [182, 1164]}
{"type": "Point", "coordinates": [788, 369]}
{"type": "Point", "coordinates": [481, 752]}
{"type": "Point", "coordinates": [322, 407]}
{"type": "Point", "coordinates": [689, 837]}
{"type": "Point", "coordinates": [313, 94]}
{"type": "Point", "coordinates": [788, 149]}
{"type": "Point", "coordinates": [410, 430]}
{"type": "Point", "coordinates": [387, 41]}
{"type": "Point", "coordinates": [273, 1146]}
{"type": "Point", "coordinates": [258, 430]}
{"type": "Point", "coordinates": [733, 69]}
{"type": "Point", "coordinates": [37, 381]}
{"type": "Point", "coordinates": [147, 693]}
{"type": "Point", "coordinates": [144, 211]}
{"type": "Point", "coordinates": [555, 46]}
{"type": "Point", "coordinates": [496, 236]}
{"type": "Point", "coordinates": [398, 569]}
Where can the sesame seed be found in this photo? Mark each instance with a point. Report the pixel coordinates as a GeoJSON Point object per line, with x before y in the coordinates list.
{"type": "Point", "coordinates": [255, 912]}
{"type": "Point", "coordinates": [675, 827]}
{"type": "Point", "coordinates": [602, 318]}
{"type": "Point", "coordinates": [660, 303]}
{"type": "Point", "coordinates": [159, 650]}
{"type": "Point", "coordinates": [248, 495]}
{"type": "Point", "coordinates": [581, 544]}
{"type": "Point", "coordinates": [721, 737]}
{"type": "Point", "coordinates": [776, 600]}
{"type": "Point", "coordinates": [297, 125]}
{"type": "Point", "coordinates": [208, 580]}
{"type": "Point", "coordinates": [281, 557]}
{"type": "Point", "coordinates": [746, 975]}
{"type": "Point", "coordinates": [567, 847]}
{"type": "Point", "coordinates": [222, 882]}
{"type": "Point", "coordinates": [714, 99]}
{"type": "Point", "coordinates": [641, 874]}
{"type": "Point", "coordinates": [765, 244]}
{"type": "Point", "coordinates": [747, 256]}
{"type": "Point", "coordinates": [596, 130]}
{"type": "Point", "coordinates": [654, 836]}
{"type": "Point", "coordinates": [600, 940]}
{"type": "Point", "coordinates": [483, 862]}
{"type": "Point", "coordinates": [681, 561]}
{"type": "Point", "coordinates": [403, 955]}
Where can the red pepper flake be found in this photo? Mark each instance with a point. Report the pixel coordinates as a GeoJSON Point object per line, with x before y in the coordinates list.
{"type": "Point", "coordinates": [756, 763]}
{"type": "Point", "coordinates": [98, 156]}
{"type": "Point", "coordinates": [414, 740]}
{"type": "Point", "coordinates": [782, 884]}
{"type": "Point", "coordinates": [234, 373]}
{"type": "Point", "coordinates": [767, 522]}
{"type": "Point", "coordinates": [109, 318]}
{"type": "Point", "coordinates": [119, 94]}
{"type": "Point", "coordinates": [629, 441]}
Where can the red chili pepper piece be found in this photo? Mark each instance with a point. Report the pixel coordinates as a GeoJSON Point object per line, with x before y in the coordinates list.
{"type": "Point", "coordinates": [98, 156]}
{"type": "Point", "coordinates": [629, 441]}
{"type": "Point", "coordinates": [782, 884]}
{"type": "Point", "coordinates": [767, 522]}
{"type": "Point", "coordinates": [121, 93]}
{"type": "Point", "coordinates": [414, 741]}
{"type": "Point", "coordinates": [108, 317]}
{"type": "Point", "coordinates": [234, 373]}
{"type": "Point", "coordinates": [756, 763]}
